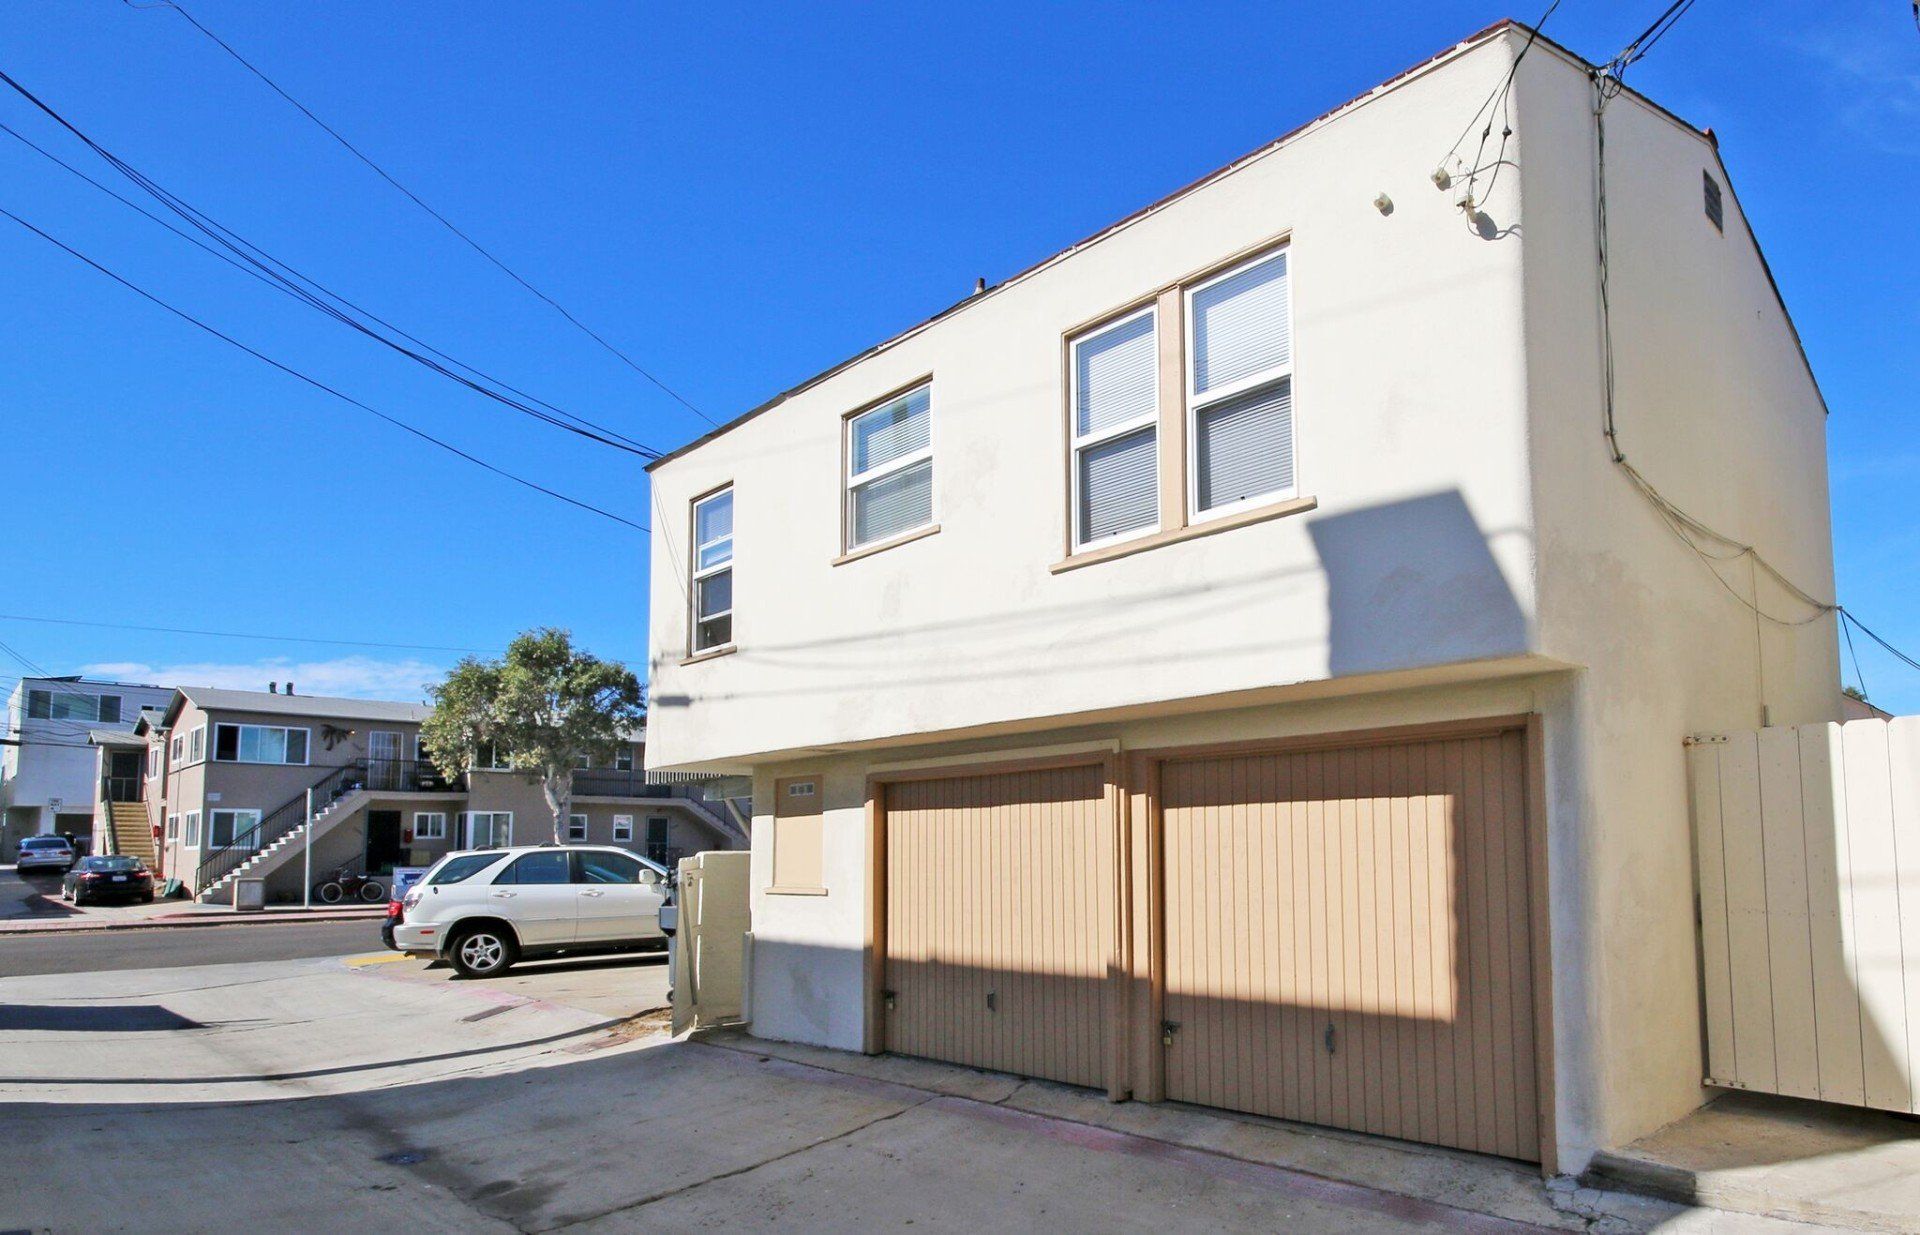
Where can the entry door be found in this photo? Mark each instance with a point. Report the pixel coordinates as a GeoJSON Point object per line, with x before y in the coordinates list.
{"type": "Point", "coordinates": [123, 775]}
{"type": "Point", "coordinates": [384, 764]}
{"type": "Point", "coordinates": [383, 842]}
{"type": "Point", "coordinates": [1348, 943]}
{"type": "Point", "coordinates": [999, 892]}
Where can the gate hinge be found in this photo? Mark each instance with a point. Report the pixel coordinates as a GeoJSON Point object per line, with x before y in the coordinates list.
{"type": "Point", "coordinates": [1704, 739]}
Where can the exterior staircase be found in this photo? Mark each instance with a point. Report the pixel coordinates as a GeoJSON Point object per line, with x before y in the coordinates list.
{"type": "Point", "coordinates": [287, 847]}
{"type": "Point", "coordinates": [129, 832]}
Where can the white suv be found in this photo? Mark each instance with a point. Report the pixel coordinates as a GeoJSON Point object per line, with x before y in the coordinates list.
{"type": "Point", "coordinates": [484, 909]}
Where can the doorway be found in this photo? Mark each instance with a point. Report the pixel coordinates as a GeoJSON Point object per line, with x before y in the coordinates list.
{"type": "Point", "coordinates": [383, 842]}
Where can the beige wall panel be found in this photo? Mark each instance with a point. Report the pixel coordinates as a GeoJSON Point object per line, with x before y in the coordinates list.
{"type": "Point", "coordinates": [999, 896]}
{"type": "Point", "coordinates": [1348, 939]}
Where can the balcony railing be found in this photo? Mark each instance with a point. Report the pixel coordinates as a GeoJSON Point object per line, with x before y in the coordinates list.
{"type": "Point", "coordinates": [615, 783]}
{"type": "Point", "coordinates": [407, 776]}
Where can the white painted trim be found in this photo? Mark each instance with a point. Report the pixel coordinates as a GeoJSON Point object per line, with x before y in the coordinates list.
{"type": "Point", "coordinates": [1077, 442]}
{"type": "Point", "coordinates": [1197, 402]}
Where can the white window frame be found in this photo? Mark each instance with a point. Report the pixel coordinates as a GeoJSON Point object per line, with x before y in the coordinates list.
{"type": "Point", "coordinates": [153, 762]}
{"type": "Point", "coordinates": [699, 573]}
{"type": "Point", "coordinates": [1266, 377]}
{"type": "Point", "coordinates": [177, 751]}
{"type": "Point", "coordinates": [237, 828]}
{"type": "Point", "coordinates": [421, 829]}
{"type": "Point", "coordinates": [577, 827]}
{"type": "Point", "coordinates": [623, 828]}
{"type": "Point", "coordinates": [852, 480]}
{"type": "Point", "coordinates": [623, 759]}
{"type": "Point", "coordinates": [191, 830]}
{"type": "Point", "coordinates": [477, 766]}
{"type": "Point", "coordinates": [197, 744]}
{"type": "Point", "coordinates": [1077, 443]}
{"type": "Point", "coordinates": [466, 826]}
{"type": "Point", "coordinates": [303, 761]}
{"type": "Point", "coordinates": [173, 828]}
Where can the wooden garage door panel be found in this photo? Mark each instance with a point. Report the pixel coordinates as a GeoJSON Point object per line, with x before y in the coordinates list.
{"type": "Point", "coordinates": [998, 887]}
{"type": "Point", "coordinates": [1347, 939]}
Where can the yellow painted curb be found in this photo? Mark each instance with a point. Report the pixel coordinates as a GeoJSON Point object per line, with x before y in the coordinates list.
{"type": "Point", "coordinates": [377, 958]}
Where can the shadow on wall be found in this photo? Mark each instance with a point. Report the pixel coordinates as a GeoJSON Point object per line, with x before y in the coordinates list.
{"type": "Point", "coordinates": [1413, 583]}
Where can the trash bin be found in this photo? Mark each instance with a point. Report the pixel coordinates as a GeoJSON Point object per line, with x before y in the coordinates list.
{"type": "Point", "coordinates": [249, 894]}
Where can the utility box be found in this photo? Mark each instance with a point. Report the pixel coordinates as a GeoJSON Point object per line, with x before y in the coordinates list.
{"type": "Point", "coordinates": [250, 894]}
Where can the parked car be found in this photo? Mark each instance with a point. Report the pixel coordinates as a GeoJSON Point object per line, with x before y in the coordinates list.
{"type": "Point", "coordinates": [395, 912]}
{"type": "Point", "coordinates": [483, 910]}
{"type": "Point", "coordinates": [114, 877]}
{"type": "Point", "coordinates": [45, 853]}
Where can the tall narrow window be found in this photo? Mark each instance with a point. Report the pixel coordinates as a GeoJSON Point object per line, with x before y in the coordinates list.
{"type": "Point", "coordinates": [1115, 406]}
{"type": "Point", "coordinates": [713, 571]}
{"type": "Point", "coordinates": [890, 469]}
{"type": "Point", "coordinates": [1240, 387]}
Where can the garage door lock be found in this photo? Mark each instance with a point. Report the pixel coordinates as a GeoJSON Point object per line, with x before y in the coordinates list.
{"type": "Point", "coordinates": [888, 996]}
{"type": "Point", "coordinates": [1167, 1030]}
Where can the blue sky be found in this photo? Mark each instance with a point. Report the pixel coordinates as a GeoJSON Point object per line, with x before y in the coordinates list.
{"type": "Point", "coordinates": [738, 197]}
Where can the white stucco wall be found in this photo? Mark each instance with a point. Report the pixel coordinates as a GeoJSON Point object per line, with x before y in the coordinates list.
{"type": "Point", "coordinates": [1410, 420]}
{"type": "Point", "coordinates": [1715, 405]}
{"type": "Point", "coordinates": [1449, 410]}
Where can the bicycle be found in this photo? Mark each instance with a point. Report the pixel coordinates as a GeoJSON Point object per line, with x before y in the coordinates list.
{"type": "Point", "coordinates": [345, 884]}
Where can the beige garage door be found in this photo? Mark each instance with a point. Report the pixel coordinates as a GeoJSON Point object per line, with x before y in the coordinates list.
{"type": "Point", "coordinates": [1347, 940]}
{"type": "Point", "coordinates": [997, 889]}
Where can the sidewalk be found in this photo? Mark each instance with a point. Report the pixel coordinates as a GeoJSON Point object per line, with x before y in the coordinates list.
{"type": "Point", "coordinates": [164, 914]}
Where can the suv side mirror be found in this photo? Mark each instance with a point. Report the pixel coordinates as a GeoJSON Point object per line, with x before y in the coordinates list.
{"type": "Point", "coordinates": [650, 877]}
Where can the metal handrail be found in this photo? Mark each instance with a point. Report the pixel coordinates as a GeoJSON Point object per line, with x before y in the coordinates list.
{"type": "Point", "coordinates": [277, 823]}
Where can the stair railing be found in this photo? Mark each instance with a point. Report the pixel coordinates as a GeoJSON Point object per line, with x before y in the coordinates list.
{"type": "Point", "coordinates": [278, 822]}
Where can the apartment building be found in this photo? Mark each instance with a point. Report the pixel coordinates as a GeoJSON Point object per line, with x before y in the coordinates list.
{"type": "Point", "coordinates": [239, 784]}
{"type": "Point", "coordinates": [47, 767]}
{"type": "Point", "coordinates": [1229, 661]}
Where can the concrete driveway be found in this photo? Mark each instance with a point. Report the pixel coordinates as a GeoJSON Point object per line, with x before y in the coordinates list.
{"type": "Point", "coordinates": [366, 1093]}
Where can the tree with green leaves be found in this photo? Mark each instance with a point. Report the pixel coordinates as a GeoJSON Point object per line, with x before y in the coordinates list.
{"type": "Point", "coordinates": [544, 705]}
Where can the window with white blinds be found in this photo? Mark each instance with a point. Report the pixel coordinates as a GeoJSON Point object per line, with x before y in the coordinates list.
{"type": "Point", "coordinates": [713, 571]}
{"type": "Point", "coordinates": [1115, 402]}
{"type": "Point", "coordinates": [889, 478]}
{"type": "Point", "coordinates": [1240, 387]}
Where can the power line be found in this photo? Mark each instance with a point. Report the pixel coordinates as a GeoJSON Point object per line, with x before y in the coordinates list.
{"type": "Point", "coordinates": [1637, 50]}
{"type": "Point", "coordinates": [317, 384]}
{"type": "Point", "coordinates": [229, 634]}
{"type": "Point", "coordinates": [316, 295]}
{"type": "Point", "coordinates": [413, 197]}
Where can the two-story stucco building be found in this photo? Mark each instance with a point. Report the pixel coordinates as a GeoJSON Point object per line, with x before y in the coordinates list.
{"type": "Point", "coordinates": [1235, 661]}
{"type": "Point", "coordinates": [48, 773]}
{"type": "Point", "coordinates": [230, 776]}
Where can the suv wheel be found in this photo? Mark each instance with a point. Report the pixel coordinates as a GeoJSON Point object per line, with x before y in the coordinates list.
{"type": "Point", "coordinates": [482, 952]}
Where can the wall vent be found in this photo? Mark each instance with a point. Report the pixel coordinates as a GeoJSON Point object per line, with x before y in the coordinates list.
{"type": "Point", "coordinates": [1716, 212]}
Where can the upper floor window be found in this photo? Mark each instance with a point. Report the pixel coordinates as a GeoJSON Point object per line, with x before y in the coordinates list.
{"type": "Point", "coordinates": [65, 705]}
{"type": "Point", "coordinates": [491, 757]}
{"type": "Point", "coordinates": [1240, 388]}
{"type": "Point", "coordinates": [623, 759]}
{"type": "Point", "coordinates": [713, 571]}
{"type": "Point", "coordinates": [1115, 408]}
{"type": "Point", "coordinates": [889, 481]}
{"type": "Point", "coordinates": [259, 744]}
{"type": "Point", "coordinates": [197, 745]}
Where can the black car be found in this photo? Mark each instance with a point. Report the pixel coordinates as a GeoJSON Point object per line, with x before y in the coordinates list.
{"type": "Point", "coordinates": [108, 878]}
{"type": "Point", "coordinates": [395, 912]}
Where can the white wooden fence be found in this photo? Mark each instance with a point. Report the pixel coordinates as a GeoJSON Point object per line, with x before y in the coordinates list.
{"type": "Point", "coordinates": [1808, 853]}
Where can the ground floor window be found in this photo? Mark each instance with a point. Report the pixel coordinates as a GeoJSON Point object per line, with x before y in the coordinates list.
{"type": "Point", "coordinates": [622, 827]}
{"type": "Point", "coordinates": [192, 838]}
{"type": "Point", "coordinates": [429, 825]}
{"type": "Point", "coordinates": [576, 827]}
{"type": "Point", "coordinates": [229, 827]}
{"type": "Point", "coordinates": [487, 829]}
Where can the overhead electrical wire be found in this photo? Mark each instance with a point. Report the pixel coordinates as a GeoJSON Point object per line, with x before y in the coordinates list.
{"type": "Point", "coordinates": [317, 384]}
{"type": "Point", "coordinates": [415, 198]}
{"type": "Point", "coordinates": [303, 287]}
{"type": "Point", "coordinates": [230, 634]}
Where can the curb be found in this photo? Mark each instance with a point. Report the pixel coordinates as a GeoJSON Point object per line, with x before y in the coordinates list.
{"type": "Point", "coordinates": [16, 927]}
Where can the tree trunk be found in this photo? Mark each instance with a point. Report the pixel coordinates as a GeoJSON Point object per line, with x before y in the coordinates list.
{"type": "Point", "coordinates": [559, 791]}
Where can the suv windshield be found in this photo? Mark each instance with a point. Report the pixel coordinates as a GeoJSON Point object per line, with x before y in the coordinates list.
{"type": "Point", "coordinates": [45, 842]}
{"type": "Point", "coordinates": [454, 870]}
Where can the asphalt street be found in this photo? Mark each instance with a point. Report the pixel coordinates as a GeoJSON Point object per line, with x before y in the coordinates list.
{"type": "Point", "coordinates": [176, 947]}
